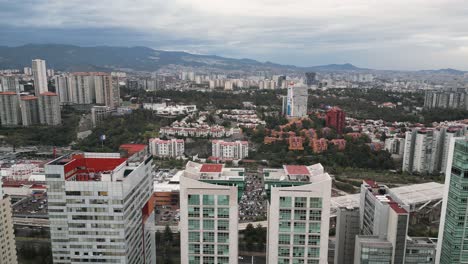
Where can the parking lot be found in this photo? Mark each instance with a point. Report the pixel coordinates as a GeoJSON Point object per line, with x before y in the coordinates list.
{"type": "Point", "coordinates": [165, 215]}
{"type": "Point", "coordinates": [32, 206]}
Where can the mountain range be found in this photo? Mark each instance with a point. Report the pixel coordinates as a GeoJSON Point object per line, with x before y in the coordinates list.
{"type": "Point", "coordinates": [106, 58]}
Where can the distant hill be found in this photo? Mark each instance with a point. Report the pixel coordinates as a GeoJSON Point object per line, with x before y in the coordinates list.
{"type": "Point", "coordinates": [105, 58]}
{"type": "Point", "coordinates": [447, 71]}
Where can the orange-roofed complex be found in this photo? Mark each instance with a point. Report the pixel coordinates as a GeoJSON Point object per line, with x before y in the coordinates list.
{"type": "Point", "coordinates": [319, 145]}
{"type": "Point", "coordinates": [296, 143]}
{"type": "Point", "coordinates": [336, 118]}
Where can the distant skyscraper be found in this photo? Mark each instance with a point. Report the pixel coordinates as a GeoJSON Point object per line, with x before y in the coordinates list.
{"type": "Point", "coordinates": [10, 114]}
{"type": "Point", "coordinates": [298, 214]}
{"type": "Point", "coordinates": [29, 110]}
{"type": "Point", "coordinates": [336, 118]}
{"type": "Point", "coordinates": [347, 227]}
{"type": "Point", "coordinates": [295, 103]}
{"type": "Point", "coordinates": [49, 109]}
{"type": "Point", "coordinates": [101, 208]}
{"type": "Point", "coordinates": [40, 76]}
{"type": "Point", "coordinates": [63, 88]}
{"type": "Point", "coordinates": [209, 213]}
{"type": "Point", "coordinates": [7, 236]}
{"type": "Point", "coordinates": [311, 78]}
{"type": "Point", "coordinates": [451, 246]}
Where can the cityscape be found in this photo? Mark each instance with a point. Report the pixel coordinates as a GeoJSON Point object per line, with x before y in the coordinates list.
{"type": "Point", "coordinates": [194, 152]}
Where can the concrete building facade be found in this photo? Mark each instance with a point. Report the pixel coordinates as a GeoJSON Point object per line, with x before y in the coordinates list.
{"type": "Point", "coordinates": [49, 109]}
{"type": "Point", "coordinates": [39, 71]}
{"type": "Point", "coordinates": [172, 148]}
{"type": "Point", "coordinates": [229, 150]}
{"type": "Point", "coordinates": [10, 114]}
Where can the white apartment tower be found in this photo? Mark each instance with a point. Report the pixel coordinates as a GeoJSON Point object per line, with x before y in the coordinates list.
{"type": "Point", "coordinates": [7, 236]}
{"type": "Point", "coordinates": [295, 103]}
{"type": "Point", "coordinates": [10, 114]}
{"type": "Point", "coordinates": [172, 148]}
{"type": "Point", "coordinates": [229, 150]}
{"type": "Point", "coordinates": [63, 88]}
{"type": "Point", "coordinates": [40, 76]}
{"type": "Point", "coordinates": [9, 83]}
{"type": "Point", "coordinates": [101, 208]}
{"type": "Point", "coordinates": [298, 214]}
{"type": "Point", "coordinates": [209, 195]}
{"type": "Point", "coordinates": [49, 109]}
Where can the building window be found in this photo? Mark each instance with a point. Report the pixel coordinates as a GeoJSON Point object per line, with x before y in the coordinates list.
{"type": "Point", "coordinates": [285, 201]}
{"type": "Point", "coordinates": [315, 202]}
{"type": "Point", "coordinates": [208, 199]}
{"type": "Point", "coordinates": [285, 214]}
{"type": "Point", "coordinates": [208, 237]}
{"type": "Point", "coordinates": [208, 224]}
{"type": "Point", "coordinates": [194, 237]}
{"type": "Point", "coordinates": [223, 199]}
{"type": "Point", "coordinates": [208, 212]}
{"type": "Point", "coordinates": [284, 239]}
{"type": "Point", "coordinates": [194, 199]}
{"type": "Point", "coordinates": [194, 211]}
{"type": "Point", "coordinates": [223, 212]}
{"type": "Point", "coordinates": [315, 215]}
{"type": "Point", "coordinates": [314, 228]}
{"type": "Point", "coordinates": [285, 226]}
{"type": "Point", "coordinates": [193, 224]}
{"type": "Point", "coordinates": [300, 202]}
{"type": "Point", "coordinates": [223, 225]}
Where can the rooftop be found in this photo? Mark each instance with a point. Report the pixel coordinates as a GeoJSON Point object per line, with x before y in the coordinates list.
{"type": "Point", "coordinates": [132, 148]}
{"type": "Point", "coordinates": [215, 172]}
{"type": "Point", "coordinates": [86, 167]}
{"type": "Point", "coordinates": [48, 94]}
{"type": "Point", "coordinates": [211, 168]}
{"type": "Point", "coordinates": [295, 173]}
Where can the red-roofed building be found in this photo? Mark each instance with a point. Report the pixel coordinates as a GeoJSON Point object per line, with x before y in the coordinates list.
{"type": "Point", "coordinates": [319, 145]}
{"type": "Point", "coordinates": [211, 168]}
{"type": "Point", "coordinates": [132, 149]}
{"type": "Point", "coordinates": [296, 143]}
{"type": "Point", "coordinates": [296, 170]}
{"type": "Point", "coordinates": [339, 143]}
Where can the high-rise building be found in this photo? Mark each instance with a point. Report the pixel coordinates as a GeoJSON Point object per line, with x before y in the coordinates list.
{"type": "Point", "coordinates": [450, 98]}
{"type": "Point", "coordinates": [7, 236]}
{"type": "Point", "coordinates": [298, 214]}
{"type": "Point", "coordinates": [224, 150]}
{"type": "Point", "coordinates": [336, 118]}
{"type": "Point", "coordinates": [63, 88]}
{"type": "Point", "coordinates": [454, 223]}
{"type": "Point", "coordinates": [9, 83]}
{"type": "Point", "coordinates": [172, 148]}
{"type": "Point", "coordinates": [383, 216]}
{"type": "Point", "coordinates": [10, 114]}
{"type": "Point", "coordinates": [49, 109]}
{"type": "Point", "coordinates": [209, 195]}
{"type": "Point", "coordinates": [27, 71]}
{"type": "Point", "coordinates": [295, 103]}
{"type": "Point", "coordinates": [347, 228]}
{"type": "Point", "coordinates": [82, 88]}
{"type": "Point", "coordinates": [426, 149]}
{"type": "Point", "coordinates": [373, 249]}
{"type": "Point", "coordinates": [311, 78]}
{"type": "Point", "coordinates": [29, 110]}
{"type": "Point", "coordinates": [40, 76]}
{"type": "Point", "coordinates": [101, 208]}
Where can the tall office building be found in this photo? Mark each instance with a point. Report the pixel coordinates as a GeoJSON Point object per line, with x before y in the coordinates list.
{"type": "Point", "coordinates": [224, 150]}
{"type": "Point", "coordinates": [209, 195]}
{"type": "Point", "coordinates": [298, 214]}
{"type": "Point", "coordinates": [383, 216]}
{"type": "Point", "coordinates": [7, 236]}
{"type": "Point", "coordinates": [40, 76]}
{"type": "Point", "coordinates": [347, 228]}
{"type": "Point", "coordinates": [311, 78]}
{"type": "Point", "coordinates": [172, 148]}
{"type": "Point", "coordinates": [295, 103]}
{"type": "Point", "coordinates": [101, 208]}
{"type": "Point", "coordinates": [49, 109]}
{"type": "Point", "coordinates": [10, 114]}
{"type": "Point", "coordinates": [9, 83]}
{"type": "Point", "coordinates": [336, 118]}
{"type": "Point", "coordinates": [29, 110]}
{"type": "Point", "coordinates": [451, 246]}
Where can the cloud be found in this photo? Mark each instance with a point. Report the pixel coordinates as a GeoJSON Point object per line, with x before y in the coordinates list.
{"type": "Point", "coordinates": [371, 33]}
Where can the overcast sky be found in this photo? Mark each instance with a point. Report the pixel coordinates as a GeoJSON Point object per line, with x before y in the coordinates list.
{"type": "Point", "coordinates": [381, 34]}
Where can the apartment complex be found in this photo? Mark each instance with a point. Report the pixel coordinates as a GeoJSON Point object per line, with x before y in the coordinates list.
{"type": "Point", "coordinates": [39, 71]}
{"type": "Point", "coordinates": [101, 208]}
{"type": "Point", "coordinates": [9, 83]}
{"type": "Point", "coordinates": [9, 109]}
{"type": "Point", "coordinates": [100, 113]}
{"type": "Point", "coordinates": [451, 98]}
{"type": "Point", "coordinates": [295, 103]}
{"type": "Point", "coordinates": [451, 246]}
{"type": "Point", "coordinates": [336, 118]}
{"type": "Point", "coordinates": [88, 88]}
{"type": "Point", "coordinates": [49, 109]}
{"type": "Point", "coordinates": [426, 149]}
{"type": "Point", "coordinates": [7, 236]}
{"type": "Point", "coordinates": [209, 195]}
{"type": "Point", "coordinates": [29, 110]}
{"type": "Point", "coordinates": [172, 148]}
{"type": "Point", "coordinates": [298, 214]}
{"type": "Point", "coordinates": [224, 150]}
